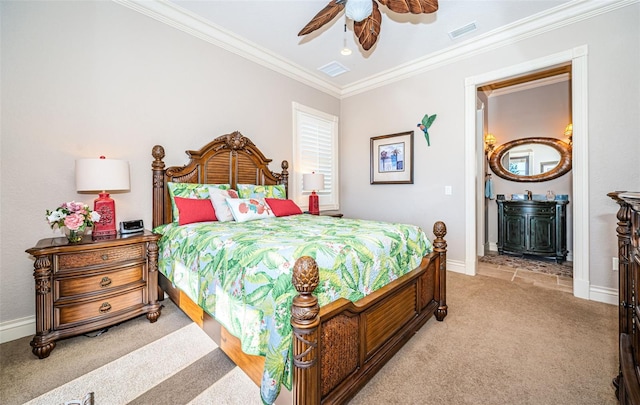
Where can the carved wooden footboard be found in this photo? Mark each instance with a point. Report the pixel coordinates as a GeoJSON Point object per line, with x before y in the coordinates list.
{"type": "Point", "coordinates": [338, 347]}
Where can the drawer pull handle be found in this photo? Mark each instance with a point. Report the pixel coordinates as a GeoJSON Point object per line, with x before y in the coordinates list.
{"type": "Point", "coordinates": [105, 307]}
{"type": "Point", "coordinates": [105, 257]}
{"type": "Point", "coordinates": [105, 282]}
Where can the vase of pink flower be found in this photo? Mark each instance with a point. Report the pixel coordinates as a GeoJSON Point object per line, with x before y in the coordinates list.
{"type": "Point", "coordinates": [74, 218]}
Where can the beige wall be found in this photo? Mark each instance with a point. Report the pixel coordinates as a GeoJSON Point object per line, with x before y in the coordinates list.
{"type": "Point", "coordinates": [84, 79]}
{"type": "Point", "coordinates": [613, 121]}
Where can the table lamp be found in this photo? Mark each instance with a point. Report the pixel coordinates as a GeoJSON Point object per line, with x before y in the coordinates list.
{"type": "Point", "coordinates": [313, 182]}
{"type": "Point", "coordinates": [103, 175]}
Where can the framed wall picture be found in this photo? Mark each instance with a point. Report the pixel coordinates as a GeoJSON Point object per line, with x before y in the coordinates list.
{"type": "Point", "coordinates": [392, 158]}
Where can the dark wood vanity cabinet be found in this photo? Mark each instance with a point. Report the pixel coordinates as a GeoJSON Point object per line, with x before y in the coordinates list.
{"type": "Point", "coordinates": [533, 228]}
{"type": "Point", "coordinates": [627, 382]}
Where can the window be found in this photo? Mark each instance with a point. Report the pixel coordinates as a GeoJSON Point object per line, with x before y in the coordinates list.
{"type": "Point", "coordinates": [315, 149]}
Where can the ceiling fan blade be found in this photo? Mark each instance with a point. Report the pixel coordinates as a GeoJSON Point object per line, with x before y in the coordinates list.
{"type": "Point", "coordinates": [368, 29]}
{"type": "Point", "coordinates": [411, 6]}
{"type": "Point", "coordinates": [324, 16]}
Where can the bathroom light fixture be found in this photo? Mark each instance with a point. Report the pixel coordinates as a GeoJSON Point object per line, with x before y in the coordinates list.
{"type": "Point", "coordinates": [489, 143]}
{"type": "Point", "coordinates": [345, 49]}
{"type": "Point", "coordinates": [568, 132]}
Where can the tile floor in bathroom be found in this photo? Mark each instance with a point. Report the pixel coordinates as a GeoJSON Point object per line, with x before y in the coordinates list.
{"type": "Point", "coordinates": [541, 273]}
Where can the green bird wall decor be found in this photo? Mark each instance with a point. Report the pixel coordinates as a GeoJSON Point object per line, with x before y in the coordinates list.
{"type": "Point", "coordinates": [425, 124]}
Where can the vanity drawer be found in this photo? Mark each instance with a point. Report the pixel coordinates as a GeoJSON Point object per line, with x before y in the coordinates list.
{"type": "Point", "coordinates": [530, 208]}
{"type": "Point", "coordinates": [70, 286]}
{"type": "Point", "coordinates": [101, 257]}
{"type": "Point", "coordinates": [67, 315]}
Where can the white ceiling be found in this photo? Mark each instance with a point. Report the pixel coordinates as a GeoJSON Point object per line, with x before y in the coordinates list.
{"type": "Point", "coordinates": [266, 31]}
{"type": "Point", "coordinates": [274, 25]}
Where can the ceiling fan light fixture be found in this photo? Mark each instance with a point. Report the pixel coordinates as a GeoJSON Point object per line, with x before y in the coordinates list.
{"type": "Point", "coordinates": [358, 10]}
{"type": "Point", "coordinates": [345, 49]}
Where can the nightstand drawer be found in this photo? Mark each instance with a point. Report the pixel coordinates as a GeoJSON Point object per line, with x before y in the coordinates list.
{"type": "Point", "coordinates": [101, 256]}
{"type": "Point", "coordinates": [65, 315]}
{"type": "Point", "coordinates": [67, 287]}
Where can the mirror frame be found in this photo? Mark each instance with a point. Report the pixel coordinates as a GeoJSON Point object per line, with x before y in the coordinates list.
{"type": "Point", "coordinates": [562, 168]}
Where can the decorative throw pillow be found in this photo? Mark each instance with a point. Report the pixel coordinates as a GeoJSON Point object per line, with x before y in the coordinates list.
{"type": "Point", "coordinates": [283, 208]}
{"type": "Point", "coordinates": [248, 209]}
{"type": "Point", "coordinates": [219, 200]}
{"type": "Point", "coordinates": [194, 210]}
{"type": "Point", "coordinates": [254, 191]}
{"type": "Point", "coordinates": [189, 190]}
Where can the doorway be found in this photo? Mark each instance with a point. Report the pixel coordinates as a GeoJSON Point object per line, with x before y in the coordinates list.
{"type": "Point", "coordinates": [474, 152]}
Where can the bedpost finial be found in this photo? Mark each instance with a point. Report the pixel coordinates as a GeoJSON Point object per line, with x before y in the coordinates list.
{"type": "Point", "coordinates": [305, 308]}
{"type": "Point", "coordinates": [305, 275]}
{"type": "Point", "coordinates": [439, 229]}
{"type": "Point", "coordinates": [158, 154]}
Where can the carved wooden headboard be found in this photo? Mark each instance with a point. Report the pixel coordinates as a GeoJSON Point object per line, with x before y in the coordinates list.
{"type": "Point", "coordinates": [231, 158]}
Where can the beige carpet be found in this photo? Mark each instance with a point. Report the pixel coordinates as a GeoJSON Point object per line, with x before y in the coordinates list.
{"type": "Point", "coordinates": [505, 343]}
{"type": "Point", "coordinates": [502, 343]}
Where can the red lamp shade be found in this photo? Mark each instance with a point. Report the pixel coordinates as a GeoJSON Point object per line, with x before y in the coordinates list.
{"type": "Point", "coordinates": [313, 182]}
{"type": "Point", "coordinates": [103, 175]}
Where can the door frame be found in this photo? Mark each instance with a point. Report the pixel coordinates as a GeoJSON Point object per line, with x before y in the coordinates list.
{"type": "Point", "coordinates": [474, 154]}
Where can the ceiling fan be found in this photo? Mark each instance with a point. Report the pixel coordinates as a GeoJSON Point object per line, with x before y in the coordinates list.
{"type": "Point", "coordinates": [366, 16]}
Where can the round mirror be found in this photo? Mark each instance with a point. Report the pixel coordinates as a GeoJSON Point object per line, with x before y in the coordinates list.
{"type": "Point", "coordinates": [531, 159]}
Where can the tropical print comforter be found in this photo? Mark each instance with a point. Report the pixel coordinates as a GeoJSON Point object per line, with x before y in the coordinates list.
{"type": "Point", "coordinates": [240, 273]}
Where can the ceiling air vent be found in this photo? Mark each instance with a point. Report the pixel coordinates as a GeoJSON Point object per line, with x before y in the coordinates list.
{"type": "Point", "coordinates": [457, 33]}
{"type": "Point", "coordinates": [333, 69]}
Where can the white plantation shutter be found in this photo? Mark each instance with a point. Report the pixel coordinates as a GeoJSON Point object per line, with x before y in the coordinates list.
{"type": "Point", "coordinates": [315, 146]}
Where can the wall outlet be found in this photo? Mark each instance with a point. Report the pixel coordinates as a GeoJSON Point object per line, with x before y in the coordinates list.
{"type": "Point", "coordinates": [447, 190]}
{"type": "Point", "coordinates": [614, 263]}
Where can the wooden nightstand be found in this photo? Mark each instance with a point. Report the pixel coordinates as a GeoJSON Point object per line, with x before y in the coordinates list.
{"type": "Point", "coordinates": [90, 285]}
{"type": "Point", "coordinates": [335, 214]}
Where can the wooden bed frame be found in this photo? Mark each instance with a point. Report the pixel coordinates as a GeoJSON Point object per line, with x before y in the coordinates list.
{"type": "Point", "coordinates": [339, 347]}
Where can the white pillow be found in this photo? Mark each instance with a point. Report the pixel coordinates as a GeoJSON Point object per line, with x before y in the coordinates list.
{"type": "Point", "coordinates": [219, 200]}
{"type": "Point", "coordinates": [248, 209]}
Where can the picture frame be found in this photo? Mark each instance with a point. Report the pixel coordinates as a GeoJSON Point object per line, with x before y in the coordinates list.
{"type": "Point", "coordinates": [392, 158]}
{"type": "Point", "coordinates": [548, 166]}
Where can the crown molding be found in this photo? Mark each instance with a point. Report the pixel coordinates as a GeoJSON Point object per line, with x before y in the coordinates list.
{"type": "Point", "coordinates": [557, 17]}
{"type": "Point", "coordinates": [177, 17]}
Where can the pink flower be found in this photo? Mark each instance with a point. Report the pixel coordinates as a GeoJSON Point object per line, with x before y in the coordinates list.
{"type": "Point", "coordinates": [75, 206]}
{"type": "Point", "coordinates": [74, 221]}
{"type": "Point", "coordinates": [73, 215]}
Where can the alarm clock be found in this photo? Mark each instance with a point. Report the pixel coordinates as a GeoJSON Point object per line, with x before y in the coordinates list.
{"type": "Point", "coordinates": [134, 226]}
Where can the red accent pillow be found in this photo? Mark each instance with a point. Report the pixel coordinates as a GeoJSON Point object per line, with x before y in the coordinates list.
{"type": "Point", "coordinates": [194, 210]}
{"type": "Point", "coordinates": [282, 208]}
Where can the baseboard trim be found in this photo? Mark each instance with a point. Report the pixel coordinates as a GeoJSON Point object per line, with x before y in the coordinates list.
{"type": "Point", "coordinates": [604, 294]}
{"type": "Point", "coordinates": [456, 266]}
{"type": "Point", "coordinates": [17, 328]}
